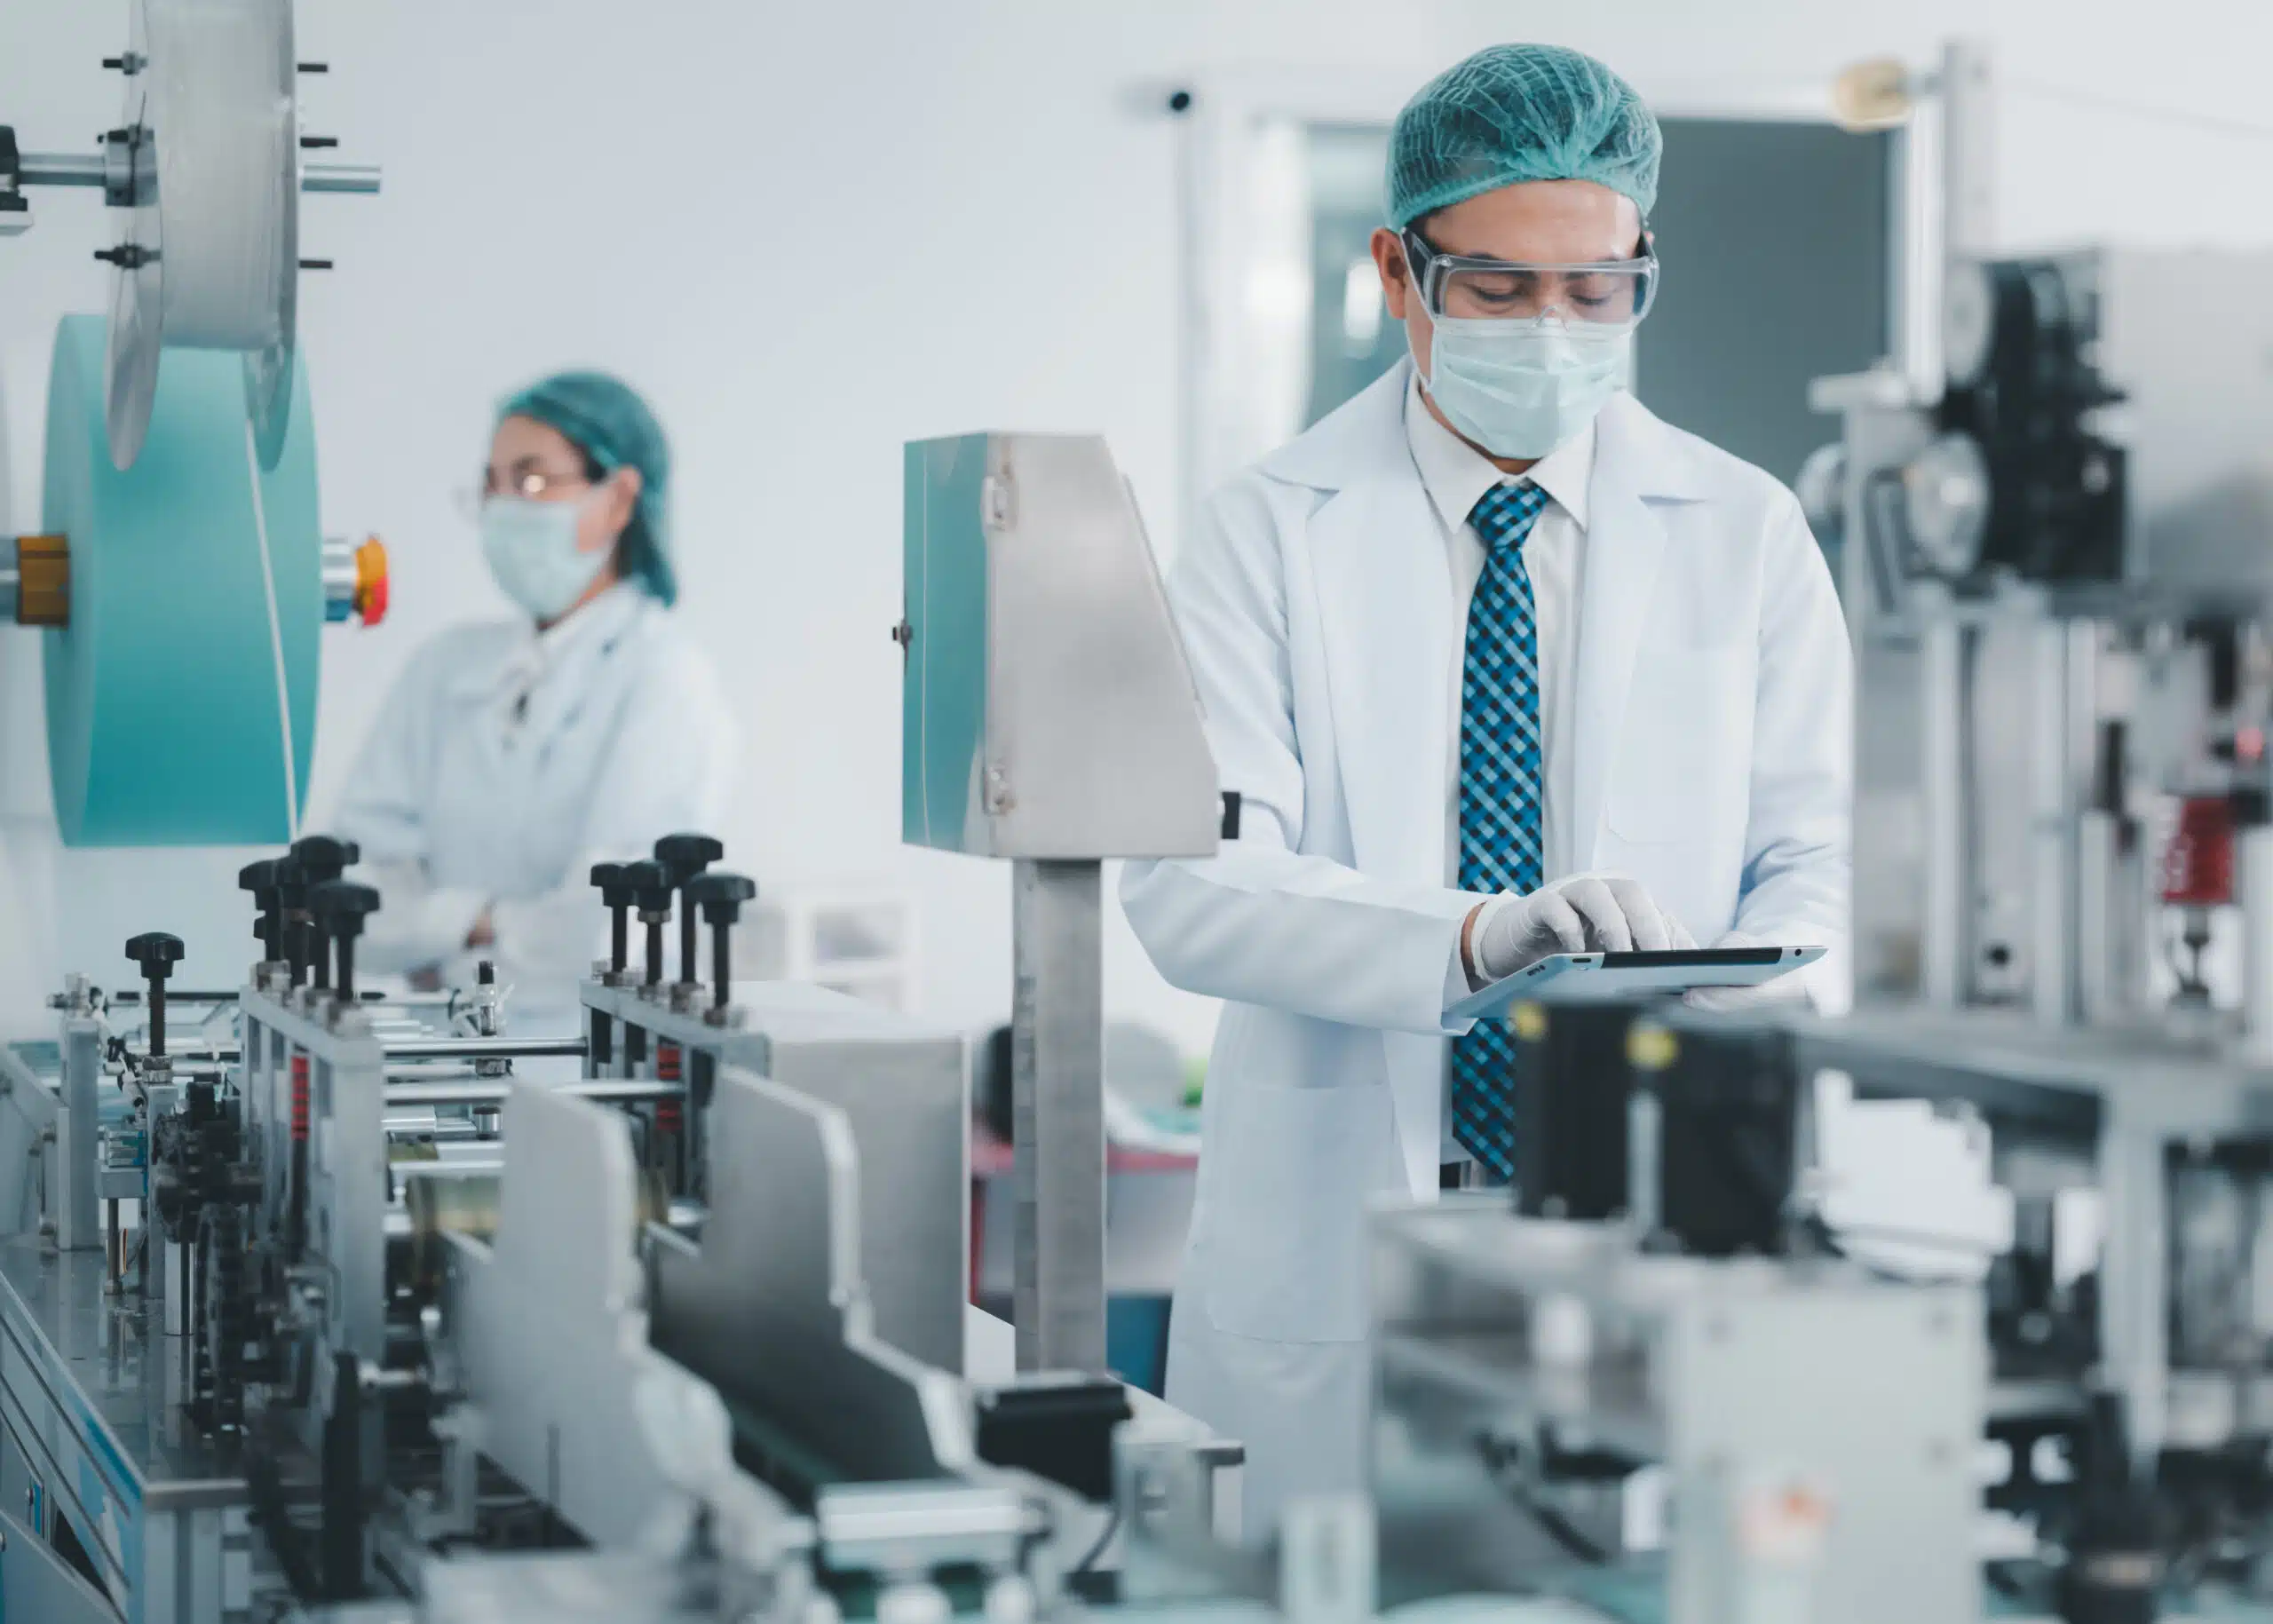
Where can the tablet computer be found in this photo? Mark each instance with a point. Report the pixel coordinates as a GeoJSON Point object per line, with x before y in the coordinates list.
{"type": "Point", "coordinates": [1577, 976]}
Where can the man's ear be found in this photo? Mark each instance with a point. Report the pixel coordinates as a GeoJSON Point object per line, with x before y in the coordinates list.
{"type": "Point", "coordinates": [1396, 274]}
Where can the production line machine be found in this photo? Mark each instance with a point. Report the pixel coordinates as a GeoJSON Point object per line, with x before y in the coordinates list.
{"type": "Point", "coordinates": [375, 1299]}
{"type": "Point", "coordinates": [2055, 526]}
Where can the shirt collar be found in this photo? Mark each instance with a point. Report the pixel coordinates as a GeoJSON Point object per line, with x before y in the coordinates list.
{"type": "Point", "coordinates": [1457, 475]}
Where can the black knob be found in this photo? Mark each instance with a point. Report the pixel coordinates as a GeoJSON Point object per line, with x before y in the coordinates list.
{"type": "Point", "coordinates": [650, 891]}
{"type": "Point", "coordinates": [683, 857]}
{"type": "Point", "coordinates": [157, 954]}
{"type": "Point", "coordinates": [323, 857]}
{"type": "Point", "coordinates": [260, 880]}
{"type": "Point", "coordinates": [720, 895]}
{"type": "Point", "coordinates": [292, 910]}
{"type": "Point", "coordinates": [340, 906]}
{"type": "Point", "coordinates": [618, 893]}
{"type": "Point", "coordinates": [688, 855]}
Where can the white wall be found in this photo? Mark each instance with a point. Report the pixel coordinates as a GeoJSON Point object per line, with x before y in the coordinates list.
{"type": "Point", "coordinates": [813, 231]}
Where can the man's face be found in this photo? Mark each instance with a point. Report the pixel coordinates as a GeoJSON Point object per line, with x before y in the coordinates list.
{"type": "Point", "coordinates": [1542, 222]}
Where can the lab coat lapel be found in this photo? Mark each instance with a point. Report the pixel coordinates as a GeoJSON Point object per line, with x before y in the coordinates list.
{"type": "Point", "coordinates": [1625, 546]}
{"type": "Point", "coordinates": [1384, 593]}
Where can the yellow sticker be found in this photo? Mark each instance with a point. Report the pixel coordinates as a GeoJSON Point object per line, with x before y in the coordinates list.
{"type": "Point", "coordinates": [1530, 1022]}
{"type": "Point", "coordinates": [1653, 1048]}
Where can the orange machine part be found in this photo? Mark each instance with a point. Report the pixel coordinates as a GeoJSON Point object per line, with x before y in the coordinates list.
{"type": "Point", "coordinates": [371, 582]}
{"type": "Point", "coordinates": [42, 581]}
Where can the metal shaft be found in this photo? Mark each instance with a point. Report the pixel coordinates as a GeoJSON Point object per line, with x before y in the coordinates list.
{"type": "Point", "coordinates": [59, 168]}
{"type": "Point", "coordinates": [619, 940]}
{"type": "Point", "coordinates": [1945, 670]}
{"type": "Point", "coordinates": [654, 952]}
{"type": "Point", "coordinates": [1057, 1112]}
{"type": "Point", "coordinates": [482, 1049]}
{"type": "Point", "coordinates": [688, 970]}
{"type": "Point", "coordinates": [495, 1090]}
{"type": "Point", "coordinates": [356, 178]}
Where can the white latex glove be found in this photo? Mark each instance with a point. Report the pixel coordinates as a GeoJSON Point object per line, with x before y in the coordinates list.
{"type": "Point", "coordinates": [1587, 913]}
{"type": "Point", "coordinates": [1790, 988]}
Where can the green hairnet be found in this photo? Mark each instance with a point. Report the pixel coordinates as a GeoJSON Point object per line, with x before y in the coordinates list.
{"type": "Point", "coordinates": [1514, 113]}
{"type": "Point", "coordinates": [608, 422]}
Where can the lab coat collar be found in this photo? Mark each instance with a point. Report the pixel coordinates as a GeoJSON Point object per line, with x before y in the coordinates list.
{"type": "Point", "coordinates": [527, 657]}
{"type": "Point", "coordinates": [1458, 475]}
{"type": "Point", "coordinates": [1363, 440]}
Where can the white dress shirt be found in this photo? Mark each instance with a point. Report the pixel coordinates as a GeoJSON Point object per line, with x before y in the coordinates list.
{"type": "Point", "coordinates": [1457, 476]}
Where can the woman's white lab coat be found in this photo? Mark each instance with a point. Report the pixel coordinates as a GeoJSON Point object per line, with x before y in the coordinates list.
{"type": "Point", "coordinates": [469, 796]}
{"type": "Point", "coordinates": [1712, 730]}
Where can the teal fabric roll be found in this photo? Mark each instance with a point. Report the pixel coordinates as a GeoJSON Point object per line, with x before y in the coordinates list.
{"type": "Point", "coordinates": [163, 719]}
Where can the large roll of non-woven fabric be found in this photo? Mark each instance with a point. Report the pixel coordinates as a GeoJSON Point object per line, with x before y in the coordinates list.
{"type": "Point", "coordinates": [181, 698]}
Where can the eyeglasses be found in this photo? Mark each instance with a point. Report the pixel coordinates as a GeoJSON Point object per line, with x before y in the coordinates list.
{"type": "Point", "coordinates": [529, 485]}
{"type": "Point", "coordinates": [1615, 293]}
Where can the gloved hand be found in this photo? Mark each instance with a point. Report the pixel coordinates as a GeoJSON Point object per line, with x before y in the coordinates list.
{"type": "Point", "coordinates": [1586, 913]}
{"type": "Point", "coordinates": [1787, 988]}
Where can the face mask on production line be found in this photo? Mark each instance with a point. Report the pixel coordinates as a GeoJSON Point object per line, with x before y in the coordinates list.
{"type": "Point", "coordinates": [1521, 388]}
{"type": "Point", "coordinates": [531, 550]}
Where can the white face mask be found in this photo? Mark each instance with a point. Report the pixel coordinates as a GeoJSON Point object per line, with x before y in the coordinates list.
{"type": "Point", "coordinates": [1521, 388]}
{"type": "Point", "coordinates": [531, 550]}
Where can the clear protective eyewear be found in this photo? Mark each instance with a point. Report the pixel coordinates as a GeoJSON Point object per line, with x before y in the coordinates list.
{"type": "Point", "coordinates": [1608, 293]}
{"type": "Point", "coordinates": [530, 485]}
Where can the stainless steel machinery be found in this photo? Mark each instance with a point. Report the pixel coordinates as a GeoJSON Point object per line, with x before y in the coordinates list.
{"type": "Point", "coordinates": [1050, 717]}
{"type": "Point", "coordinates": [363, 1298]}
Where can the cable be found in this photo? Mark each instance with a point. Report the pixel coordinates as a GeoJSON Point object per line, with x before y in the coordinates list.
{"type": "Point", "coordinates": [1112, 1527]}
{"type": "Point", "coordinates": [1562, 1531]}
{"type": "Point", "coordinates": [275, 638]}
{"type": "Point", "coordinates": [2208, 123]}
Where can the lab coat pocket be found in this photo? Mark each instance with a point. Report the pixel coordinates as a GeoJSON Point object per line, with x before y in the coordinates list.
{"type": "Point", "coordinates": [1286, 1250]}
{"type": "Point", "coordinates": [1682, 762]}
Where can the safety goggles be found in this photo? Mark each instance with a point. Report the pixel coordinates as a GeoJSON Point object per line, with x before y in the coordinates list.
{"type": "Point", "coordinates": [1612, 293]}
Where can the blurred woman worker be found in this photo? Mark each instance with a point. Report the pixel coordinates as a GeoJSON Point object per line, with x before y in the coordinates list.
{"type": "Point", "coordinates": [514, 754]}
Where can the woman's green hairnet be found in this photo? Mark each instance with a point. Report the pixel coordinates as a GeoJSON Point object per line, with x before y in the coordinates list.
{"type": "Point", "coordinates": [1515, 113]}
{"type": "Point", "coordinates": [607, 421]}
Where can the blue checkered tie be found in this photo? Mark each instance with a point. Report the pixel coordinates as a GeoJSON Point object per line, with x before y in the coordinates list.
{"type": "Point", "coordinates": [1499, 786]}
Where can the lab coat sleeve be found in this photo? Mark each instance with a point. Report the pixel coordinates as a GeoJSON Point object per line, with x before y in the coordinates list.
{"type": "Point", "coordinates": [1263, 922]}
{"type": "Point", "coordinates": [1798, 873]}
{"type": "Point", "coordinates": [418, 924]}
{"type": "Point", "coordinates": [670, 768]}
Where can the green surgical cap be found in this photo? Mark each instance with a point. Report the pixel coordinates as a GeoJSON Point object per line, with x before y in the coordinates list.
{"type": "Point", "coordinates": [1515, 113]}
{"type": "Point", "coordinates": [610, 423]}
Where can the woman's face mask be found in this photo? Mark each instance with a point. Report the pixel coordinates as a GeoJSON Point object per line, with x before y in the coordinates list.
{"type": "Point", "coordinates": [531, 547]}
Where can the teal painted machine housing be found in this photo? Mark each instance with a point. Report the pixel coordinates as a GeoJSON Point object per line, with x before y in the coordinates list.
{"type": "Point", "coordinates": [162, 724]}
{"type": "Point", "coordinates": [1049, 709]}
{"type": "Point", "coordinates": [943, 692]}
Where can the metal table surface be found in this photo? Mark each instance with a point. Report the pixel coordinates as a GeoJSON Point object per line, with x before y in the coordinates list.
{"type": "Point", "coordinates": [2062, 1081]}
{"type": "Point", "coordinates": [112, 1377]}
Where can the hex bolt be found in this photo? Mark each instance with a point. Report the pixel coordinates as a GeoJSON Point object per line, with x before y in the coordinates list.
{"type": "Point", "coordinates": [720, 895]}
{"type": "Point", "coordinates": [340, 906]}
{"type": "Point", "coordinates": [618, 893]}
{"type": "Point", "coordinates": [651, 890]}
{"type": "Point", "coordinates": [683, 857]}
{"type": "Point", "coordinates": [260, 880]}
{"type": "Point", "coordinates": [157, 954]}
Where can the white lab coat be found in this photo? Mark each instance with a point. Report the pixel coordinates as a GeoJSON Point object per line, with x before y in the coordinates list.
{"type": "Point", "coordinates": [1712, 750]}
{"type": "Point", "coordinates": [625, 737]}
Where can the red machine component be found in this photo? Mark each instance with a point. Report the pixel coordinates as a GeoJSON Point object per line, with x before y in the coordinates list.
{"type": "Point", "coordinates": [2199, 864]}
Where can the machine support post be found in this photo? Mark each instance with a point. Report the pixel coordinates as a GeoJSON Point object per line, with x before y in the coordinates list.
{"type": "Point", "coordinates": [1057, 1095]}
{"type": "Point", "coordinates": [79, 1224]}
{"type": "Point", "coordinates": [1945, 693]}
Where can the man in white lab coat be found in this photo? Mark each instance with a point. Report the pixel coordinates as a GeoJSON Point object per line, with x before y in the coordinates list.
{"type": "Point", "coordinates": [1502, 666]}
